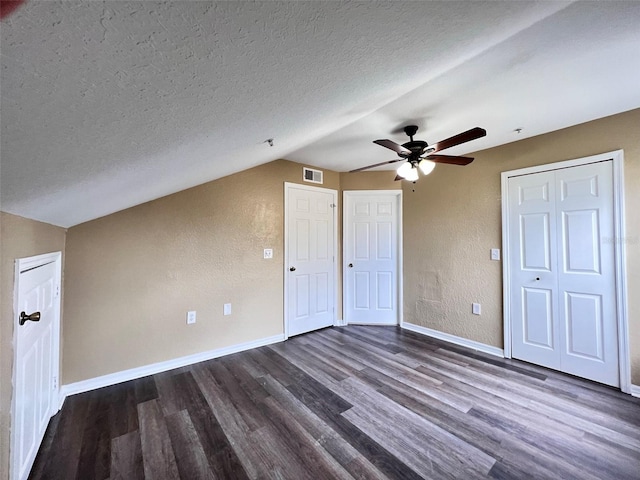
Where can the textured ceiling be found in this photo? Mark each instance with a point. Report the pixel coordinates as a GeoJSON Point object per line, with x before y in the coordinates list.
{"type": "Point", "coordinates": [105, 105]}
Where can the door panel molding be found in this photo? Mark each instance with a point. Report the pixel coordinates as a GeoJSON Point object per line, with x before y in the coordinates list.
{"type": "Point", "coordinates": [617, 158]}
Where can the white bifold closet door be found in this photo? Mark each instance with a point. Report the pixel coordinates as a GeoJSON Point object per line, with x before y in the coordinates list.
{"type": "Point", "coordinates": [562, 270]}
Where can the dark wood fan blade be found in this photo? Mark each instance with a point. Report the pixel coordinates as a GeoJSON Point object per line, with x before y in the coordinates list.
{"type": "Point", "coordinates": [398, 178]}
{"type": "Point", "coordinates": [463, 137]}
{"type": "Point", "coordinates": [391, 145]}
{"type": "Point", "coordinates": [376, 165]}
{"type": "Point", "coordinates": [450, 159]}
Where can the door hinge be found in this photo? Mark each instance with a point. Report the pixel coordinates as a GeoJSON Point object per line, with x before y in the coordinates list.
{"type": "Point", "coordinates": [55, 382]}
{"type": "Point", "coordinates": [333, 205]}
{"type": "Point", "coordinates": [57, 291]}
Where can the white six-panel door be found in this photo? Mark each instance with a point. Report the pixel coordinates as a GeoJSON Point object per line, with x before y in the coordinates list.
{"type": "Point", "coordinates": [310, 272]}
{"type": "Point", "coordinates": [562, 271]}
{"type": "Point", "coordinates": [535, 326]}
{"type": "Point", "coordinates": [36, 358]}
{"type": "Point", "coordinates": [370, 257]}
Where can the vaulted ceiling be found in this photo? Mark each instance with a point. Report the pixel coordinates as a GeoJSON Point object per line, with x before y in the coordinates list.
{"type": "Point", "coordinates": [105, 105]}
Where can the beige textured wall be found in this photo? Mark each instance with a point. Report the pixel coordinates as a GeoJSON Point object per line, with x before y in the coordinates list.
{"type": "Point", "coordinates": [133, 275]}
{"type": "Point", "coordinates": [20, 238]}
{"type": "Point", "coordinates": [453, 219]}
{"type": "Point", "coordinates": [379, 180]}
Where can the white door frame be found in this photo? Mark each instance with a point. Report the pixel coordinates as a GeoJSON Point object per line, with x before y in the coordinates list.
{"type": "Point", "coordinates": [617, 158]}
{"type": "Point", "coordinates": [399, 271]}
{"type": "Point", "coordinates": [287, 187]}
{"type": "Point", "coordinates": [22, 264]}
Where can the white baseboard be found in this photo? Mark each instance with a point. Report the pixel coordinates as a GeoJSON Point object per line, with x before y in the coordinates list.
{"type": "Point", "coordinates": [374, 324]}
{"type": "Point", "coordinates": [139, 372]}
{"type": "Point", "coordinates": [635, 390]}
{"type": "Point", "coordinates": [463, 342]}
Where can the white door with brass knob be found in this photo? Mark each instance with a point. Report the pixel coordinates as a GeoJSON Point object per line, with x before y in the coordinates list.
{"type": "Point", "coordinates": [372, 257]}
{"type": "Point", "coordinates": [310, 255]}
{"type": "Point", "coordinates": [36, 335]}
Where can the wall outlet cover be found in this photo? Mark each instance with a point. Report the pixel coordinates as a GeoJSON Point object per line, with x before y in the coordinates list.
{"type": "Point", "coordinates": [268, 253]}
{"type": "Point", "coordinates": [191, 317]}
{"type": "Point", "coordinates": [495, 254]}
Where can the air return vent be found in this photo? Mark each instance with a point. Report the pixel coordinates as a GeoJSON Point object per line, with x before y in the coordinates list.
{"type": "Point", "coordinates": [311, 175]}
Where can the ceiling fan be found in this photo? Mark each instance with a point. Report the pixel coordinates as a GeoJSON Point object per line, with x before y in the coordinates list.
{"type": "Point", "coordinates": [419, 155]}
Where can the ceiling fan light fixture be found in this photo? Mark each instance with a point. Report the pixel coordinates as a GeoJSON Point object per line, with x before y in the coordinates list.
{"type": "Point", "coordinates": [426, 166]}
{"type": "Point", "coordinates": [413, 175]}
{"type": "Point", "coordinates": [404, 169]}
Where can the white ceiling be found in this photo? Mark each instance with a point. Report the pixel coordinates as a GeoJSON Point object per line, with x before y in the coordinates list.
{"type": "Point", "coordinates": [106, 105]}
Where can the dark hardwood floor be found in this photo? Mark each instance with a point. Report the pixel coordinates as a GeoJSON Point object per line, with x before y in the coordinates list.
{"type": "Point", "coordinates": [352, 402]}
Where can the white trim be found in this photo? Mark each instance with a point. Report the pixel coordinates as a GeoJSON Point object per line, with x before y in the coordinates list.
{"type": "Point", "coordinates": [400, 263]}
{"type": "Point", "coordinates": [287, 187]}
{"type": "Point", "coordinates": [364, 193]}
{"type": "Point", "coordinates": [386, 324]}
{"type": "Point", "coordinates": [506, 271]}
{"type": "Point", "coordinates": [399, 258]}
{"type": "Point", "coordinates": [144, 371]}
{"type": "Point", "coordinates": [38, 260]}
{"type": "Point", "coordinates": [624, 355]}
{"type": "Point", "coordinates": [22, 264]}
{"type": "Point", "coordinates": [447, 337]}
{"type": "Point", "coordinates": [617, 158]}
{"type": "Point", "coordinates": [634, 390]}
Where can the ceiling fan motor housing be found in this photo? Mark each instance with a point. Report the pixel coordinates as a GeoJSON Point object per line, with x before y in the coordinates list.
{"type": "Point", "coordinates": [416, 147]}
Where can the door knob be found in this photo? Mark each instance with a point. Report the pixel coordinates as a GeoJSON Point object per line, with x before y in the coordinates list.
{"type": "Point", "coordinates": [34, 317]}
{"type": "Point", "coordinates": [351, 265]}
{"type": "Point", "coordinates": [537, 278]}
{"type": "Point", "coordinates": [292, 269]}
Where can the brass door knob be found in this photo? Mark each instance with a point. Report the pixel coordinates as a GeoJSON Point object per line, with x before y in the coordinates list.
{"type": "Point", "coordinates": [34, 317]}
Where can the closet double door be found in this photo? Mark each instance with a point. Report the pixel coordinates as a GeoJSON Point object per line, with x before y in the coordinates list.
{"type": "Point", "coordinates": [562, 271]}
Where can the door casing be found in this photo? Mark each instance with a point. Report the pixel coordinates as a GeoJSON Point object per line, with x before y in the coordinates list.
{"type": "Point", "coordinates": [287, 187]}
{"type": "Point", "coordinates": [617, 158]}
{"type": "Point", "coordinates": [21, 265]}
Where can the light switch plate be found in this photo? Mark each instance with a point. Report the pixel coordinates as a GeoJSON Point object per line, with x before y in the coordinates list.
{"type": "Point", "coordinates": [475, 308]}
{"type": "Point", "coordinates": [226, 310]}
{"type": "Point", "coordinates": [191, 317]}
{"type": "Point", "coordinates": [495, 254]}
{"type": "Point", "coordinates": [268, 253]}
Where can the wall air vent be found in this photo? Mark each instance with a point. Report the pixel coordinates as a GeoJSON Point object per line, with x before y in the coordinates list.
{"type": "Point", "coordinates": [311, 175]}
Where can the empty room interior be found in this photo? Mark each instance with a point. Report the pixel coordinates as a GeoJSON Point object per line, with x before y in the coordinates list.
{"type": "Point", "coordinates": [320, 239]}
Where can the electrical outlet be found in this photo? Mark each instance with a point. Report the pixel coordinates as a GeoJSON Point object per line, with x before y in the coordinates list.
{"type": "Point", "coordinates": [495, 254]}
{"type": "Point", "coordinates": [475, 308]}
{"type": "Point", "coordinates": [226, 310]}
{"type": "Point", "coordinates": [268, 253]}
{"type": "Point", "coordinates": [191, 317]}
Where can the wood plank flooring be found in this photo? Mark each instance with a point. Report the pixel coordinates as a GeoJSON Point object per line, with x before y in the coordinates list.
{"type": "Point", "coordinates": [351, 402]}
